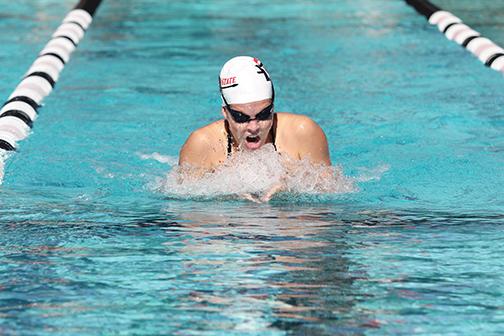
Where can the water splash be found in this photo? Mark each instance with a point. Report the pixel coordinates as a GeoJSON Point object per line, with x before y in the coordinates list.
{"type": "Point", "coordinates": [255, 173]}
{"type": "Point", "coordinates": [3, 158]}
{"type": "Point", "coordinates": [372, 174]}
{"type": "Point", "coordinates": [170, 160]}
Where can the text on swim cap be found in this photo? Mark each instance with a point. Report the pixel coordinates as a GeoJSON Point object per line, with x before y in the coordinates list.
{"type": "Point", "coordinates": [228, 81]}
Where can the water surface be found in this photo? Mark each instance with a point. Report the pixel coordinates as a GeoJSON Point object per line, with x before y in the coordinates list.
{"type": "Point", "coordinates": [87, 246]}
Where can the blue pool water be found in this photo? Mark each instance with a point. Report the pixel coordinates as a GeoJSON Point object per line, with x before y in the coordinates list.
{"type": "Point", "coordinates": [89, 244]}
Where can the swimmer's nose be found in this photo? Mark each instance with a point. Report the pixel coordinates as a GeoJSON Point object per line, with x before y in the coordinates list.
{"type": "Point", "coordinates": [252, 126]}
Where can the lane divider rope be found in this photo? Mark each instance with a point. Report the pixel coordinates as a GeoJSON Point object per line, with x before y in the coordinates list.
{"type": "Point", "coordinates": [19, 112]}
{"type": "Point", "coordinates": [454, 29]}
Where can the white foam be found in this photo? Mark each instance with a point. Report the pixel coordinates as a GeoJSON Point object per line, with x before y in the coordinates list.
{"type": "Point", "coordinates": [256, 173]}
{"type": "Point", "coordinates": [371, 174]}
{"type": "Point", "coordinates": [3, 158]}
{"type": "Point", "coordinates": [170, 160]}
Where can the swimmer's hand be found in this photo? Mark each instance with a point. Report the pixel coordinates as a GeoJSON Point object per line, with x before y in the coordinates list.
{"type": "Point", "coordinates": [276, 188]}
{"type": "Point", "coordinates": [266, 197]}
{"type": "Point", "coordinates": [252, 197]}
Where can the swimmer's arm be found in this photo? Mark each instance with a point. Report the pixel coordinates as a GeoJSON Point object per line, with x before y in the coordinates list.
{"type": "Point", "coordinates": [312, 142]}
{"type": "Point", "coordinates": [195, 152]}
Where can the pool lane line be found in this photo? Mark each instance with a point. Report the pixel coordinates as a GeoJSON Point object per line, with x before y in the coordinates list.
{"type": "Point", "coordinates": [20, 110]}
{"type": "Point", "coordinates": [454, 29]}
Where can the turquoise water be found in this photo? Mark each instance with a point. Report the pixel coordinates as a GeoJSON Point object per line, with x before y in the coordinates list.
{"type": "Point", "coordinates": [88, 247]}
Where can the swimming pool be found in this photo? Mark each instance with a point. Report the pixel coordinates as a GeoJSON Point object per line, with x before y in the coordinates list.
{"type": "Point", "coordinates": [88, 247]}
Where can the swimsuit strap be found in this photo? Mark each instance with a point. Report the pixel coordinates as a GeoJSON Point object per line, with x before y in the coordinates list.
{"type": "Point", "coordinates": [229, 138]}
{"type": "Point", "coordinates": [273, 131]}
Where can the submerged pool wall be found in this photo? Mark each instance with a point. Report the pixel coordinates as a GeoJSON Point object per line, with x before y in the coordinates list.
{"type": "Point", "coordinates": [455, 30]}
{"type": "Point", "coordinates": [20, 110]}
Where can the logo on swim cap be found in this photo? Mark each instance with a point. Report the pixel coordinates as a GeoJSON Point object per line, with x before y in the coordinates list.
{"type": "Point", "coordinates": [227, 81]}
{"type": "Point", "coordinates": [260, 66]}
{"type": "Point", "coordinates": [243, 79]}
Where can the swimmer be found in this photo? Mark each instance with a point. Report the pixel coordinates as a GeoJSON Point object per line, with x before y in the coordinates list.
{"type": "Point", "coordinates": [251, 122]}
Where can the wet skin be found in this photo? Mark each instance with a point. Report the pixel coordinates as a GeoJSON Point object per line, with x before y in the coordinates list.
{"type": "Point", "coordinates": [253, 134]}
{"type": "Point", "coordinates": [297, 136]}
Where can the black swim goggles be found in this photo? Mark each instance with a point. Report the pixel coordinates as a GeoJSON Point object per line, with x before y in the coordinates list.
{"type": "Point", "coordinates": [241, 117]}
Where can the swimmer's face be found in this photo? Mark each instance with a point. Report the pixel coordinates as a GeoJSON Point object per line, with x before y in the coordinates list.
{"type": "Point", "coordinates": [254, 133]}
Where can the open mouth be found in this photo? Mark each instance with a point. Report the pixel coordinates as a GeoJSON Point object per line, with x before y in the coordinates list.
{"type": "Point", "coordinates": [253, 138]}
{"type": "Point", "coordinates": [253, 142]}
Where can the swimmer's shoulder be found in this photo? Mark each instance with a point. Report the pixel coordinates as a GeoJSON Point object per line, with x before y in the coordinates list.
{"type": "Point", "coordinates": [298, 125]}
{"type": "Point", "coordinates": [300, 136]}
{"type": "Point", "coordinates": [203, 147]}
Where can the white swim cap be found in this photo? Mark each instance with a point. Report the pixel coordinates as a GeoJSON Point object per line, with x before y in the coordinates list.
{"type": "Point", "coordinates": [243, 79]}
